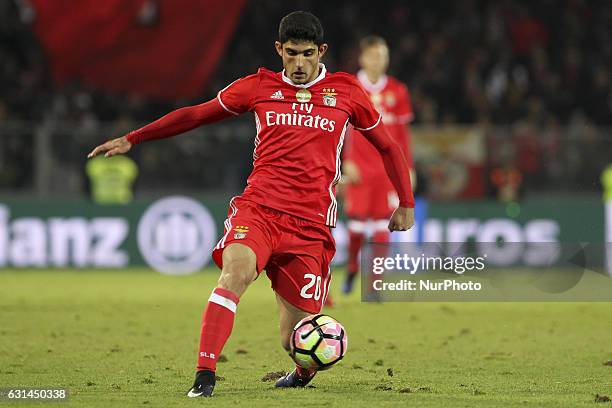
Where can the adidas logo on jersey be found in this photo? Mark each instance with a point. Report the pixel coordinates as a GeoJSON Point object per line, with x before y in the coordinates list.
{"type": "Point", "coordinates": [277, 95]}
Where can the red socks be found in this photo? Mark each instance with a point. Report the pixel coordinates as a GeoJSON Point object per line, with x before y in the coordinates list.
{"type": "Point", "coordinates": [217, 324]}
{"type": "Point", "coordinates": [355, 243]}
{"type": "Point", "coordinates": [304, 373]}
{"type": "Point", "coordinates": [380, 239]}
{"type": "Point", "coordinates": [356, 239]}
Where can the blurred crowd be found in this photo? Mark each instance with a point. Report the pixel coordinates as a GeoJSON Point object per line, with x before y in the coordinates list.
{"type": "Point", "coordinates": [539, 64]}
{"type": "Point", "coordinates": [465, 61]}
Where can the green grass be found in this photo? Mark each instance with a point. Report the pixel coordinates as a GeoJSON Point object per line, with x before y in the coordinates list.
{"type": "Point", "coordinates": [119, 339]}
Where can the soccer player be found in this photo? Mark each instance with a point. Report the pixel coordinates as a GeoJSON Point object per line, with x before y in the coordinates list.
{"type": "Point", "coordinates": [370, 196]}
{"type": "Point", "coordinates": [282, 220]}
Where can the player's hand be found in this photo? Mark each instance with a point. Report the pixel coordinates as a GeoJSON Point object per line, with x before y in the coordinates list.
{"type": "Point", "coordinates": [402, 219]}
{"type": "Point", "coordinates": [119, 145]}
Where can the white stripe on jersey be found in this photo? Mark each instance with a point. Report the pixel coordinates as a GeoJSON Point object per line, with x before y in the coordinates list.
{"type": "Point", "coordinates": [371, 127]}
{"type": "Point", "coordinates": [257, 141]}
{"type": "Point", "coordinates": [228, 224]}
{"type": "Point", "coordinates": [221, 102]}
{"type": "Point", "coordinates": [333, 207]}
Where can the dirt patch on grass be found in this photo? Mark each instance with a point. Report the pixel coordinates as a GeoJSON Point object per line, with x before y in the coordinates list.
{"type": "Point", "coordinates": [273, 376]}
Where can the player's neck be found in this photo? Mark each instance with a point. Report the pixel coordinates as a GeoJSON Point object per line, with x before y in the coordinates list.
{"type": "Point", "coordinates": [373, 78]}
{"type": "Point", "coordinates": [315, 74]}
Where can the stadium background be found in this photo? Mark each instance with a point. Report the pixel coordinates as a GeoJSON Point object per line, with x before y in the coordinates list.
{"type": "Point", "coordinates": [512, 101]}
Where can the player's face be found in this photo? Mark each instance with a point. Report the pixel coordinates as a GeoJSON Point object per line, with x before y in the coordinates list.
{"type": "Point", "coordinates": [375, 60]}
{"type": "Point", "coordinates": [301, 59]}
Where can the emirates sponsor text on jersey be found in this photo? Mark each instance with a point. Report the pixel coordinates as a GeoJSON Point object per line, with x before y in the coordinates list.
{"type": "Point", "coordinates": [301, 116]}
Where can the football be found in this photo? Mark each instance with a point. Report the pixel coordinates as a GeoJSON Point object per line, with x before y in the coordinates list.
{"type": "Point", "coordinates": [318, 341]}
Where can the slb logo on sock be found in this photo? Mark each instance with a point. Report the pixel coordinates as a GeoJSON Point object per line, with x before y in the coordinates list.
{"type": "Point", "coordinates": [207, 355]}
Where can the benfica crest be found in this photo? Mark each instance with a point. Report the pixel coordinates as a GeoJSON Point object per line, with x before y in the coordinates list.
{"type": "Point", "coordinates": [240, 231]}
{"type": "Point", "coordinates": [329, 96]}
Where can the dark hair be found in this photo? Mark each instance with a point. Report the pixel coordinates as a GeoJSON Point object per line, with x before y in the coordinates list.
{"type": "Point", "coordinates": [300, 26]}
{"type": "Point", "coordinates": [371, 40]}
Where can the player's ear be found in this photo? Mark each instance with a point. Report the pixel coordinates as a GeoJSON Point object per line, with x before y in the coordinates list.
{"type": "Point", "coordinates": [279, 48]}
{"type": "Point", "coordinates": [322, 50]}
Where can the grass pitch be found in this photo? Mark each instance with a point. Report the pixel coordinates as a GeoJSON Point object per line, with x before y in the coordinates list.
{"type": "Point", "coordinates": [129, 338]}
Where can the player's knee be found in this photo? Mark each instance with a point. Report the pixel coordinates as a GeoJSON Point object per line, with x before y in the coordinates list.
{"type": "Point", "coordinates": [239, 268]}
{"type": "Point", "coordinates": [237, 276]}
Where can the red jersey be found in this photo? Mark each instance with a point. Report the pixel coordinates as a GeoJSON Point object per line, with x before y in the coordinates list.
{"type": "Point", "coordinates": [392, 99]}
{"type": "Point", "coordinates": [300, 133]}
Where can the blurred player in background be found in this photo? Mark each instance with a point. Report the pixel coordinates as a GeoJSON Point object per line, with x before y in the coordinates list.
{"type": "Point", "coordinates": [282, 220]}
{"type": "Point", "coordinates": [369, 196]}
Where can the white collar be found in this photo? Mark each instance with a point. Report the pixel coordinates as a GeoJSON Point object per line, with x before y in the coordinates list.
{"type": "Point", "coordinates": [370, 87]}
{"type": "Point", "coordinates": [322, 73]}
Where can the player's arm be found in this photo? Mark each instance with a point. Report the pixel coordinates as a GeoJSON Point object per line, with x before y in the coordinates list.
{"type": "Point", "coordinates": [234, 99]}
{"type": "Point", "coordinates": [172, 124]}
{"type": "Point", "coordinates": [398, 171]}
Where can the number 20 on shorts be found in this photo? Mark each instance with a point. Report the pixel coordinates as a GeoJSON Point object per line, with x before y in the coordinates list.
{"type": "Point", "coordinates": [313, 281]}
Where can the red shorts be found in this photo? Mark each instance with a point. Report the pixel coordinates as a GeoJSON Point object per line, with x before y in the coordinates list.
{"type": "Point", "coordinates": [370, 200]}
{"type": "Point", "coordinates": [295, 253]}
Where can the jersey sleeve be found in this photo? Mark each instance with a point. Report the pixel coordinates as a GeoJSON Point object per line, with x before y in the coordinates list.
{"type": "Point", "coordinates": [364, 115]}
{"type": "Point", "coordinates": [404, 107]}
{"type": "Point", "coordinates": [394, 161]}
{"type": "Point", "coordinates": [238, 97]}
{"type": "Point", "coordinates": [179, 121]}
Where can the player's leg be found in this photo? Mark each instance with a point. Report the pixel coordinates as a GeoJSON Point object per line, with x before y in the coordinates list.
{"type": "Point", "coordinates": [300, 276]}
{"type": "Point", "coordinates": [240, 254]}
{"type": "Point", "coordinates": [289, 316]}
{"type": "Point", "coordinates": [380, 238]}
{"type": "Point", "coordinates": [238, 272]}
{"type": "Point", "coordinates": [356, 229]}
{"type": "Point", "coordinates": [378, 247]}
{"type": "Point", "coordinates": [356, 207]}
{"type": "Point", "coordinates": [383, 202]}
